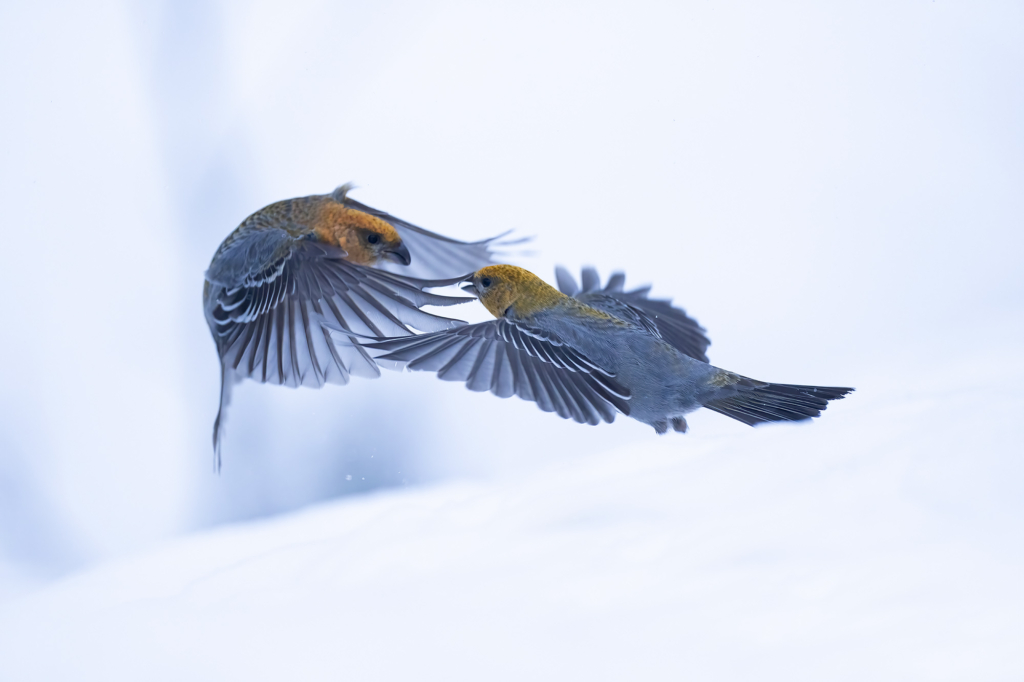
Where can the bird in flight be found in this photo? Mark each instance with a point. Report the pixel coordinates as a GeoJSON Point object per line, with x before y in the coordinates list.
{"type": "Point", "coordinates": [324, 258]}
{"type": "Point", "coordinates": [592, 353]}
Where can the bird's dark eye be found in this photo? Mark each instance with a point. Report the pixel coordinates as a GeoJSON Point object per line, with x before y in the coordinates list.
{"type": "Point", "coordinates": [373, 238]}
{"type": "Point", "coordinates": [485, 282]}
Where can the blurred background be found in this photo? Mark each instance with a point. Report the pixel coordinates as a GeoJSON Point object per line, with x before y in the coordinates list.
{"type": "Point", "coordinates": [833, 192]}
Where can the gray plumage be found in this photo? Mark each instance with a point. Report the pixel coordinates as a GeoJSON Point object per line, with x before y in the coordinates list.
{"type": "Point", "coordinates": [588, 363]}
{"type": "Point", "coordinates": [668, 321]}
{"type": "Point", "coordinates": [296, 267]}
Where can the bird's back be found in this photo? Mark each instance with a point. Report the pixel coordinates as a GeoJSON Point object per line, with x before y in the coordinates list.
{"type": "Point", "coordinates": [661, 379]}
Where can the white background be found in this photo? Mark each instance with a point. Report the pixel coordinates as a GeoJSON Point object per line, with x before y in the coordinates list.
{"type": "Point", "coordinates": [833, 192]}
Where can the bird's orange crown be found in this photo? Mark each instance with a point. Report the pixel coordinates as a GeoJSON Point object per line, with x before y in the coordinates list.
{"type": "Point", "coordinates": [351, 230]}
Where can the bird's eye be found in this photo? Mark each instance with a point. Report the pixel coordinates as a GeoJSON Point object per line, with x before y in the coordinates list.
{"type": "Point", "coordinates": [485, 282]}
{"type": "Point", "coordinates": [372, 238]}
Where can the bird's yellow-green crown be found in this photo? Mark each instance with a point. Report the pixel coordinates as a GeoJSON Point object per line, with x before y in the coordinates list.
{"type": "Point", "coordinates": [508, 285]}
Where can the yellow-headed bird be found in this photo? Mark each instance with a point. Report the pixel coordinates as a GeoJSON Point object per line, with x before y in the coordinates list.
{"type": "Point", "coordinates": [589, 359]}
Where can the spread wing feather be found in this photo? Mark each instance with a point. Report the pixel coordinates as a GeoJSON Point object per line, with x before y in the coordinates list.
{"type": "Point", "coordinates": [508, 359]}
{"type": "Point", "coordinates": [265, 327]}
{"type": "Point", "coordinates": [270, 317]}
{"type": "Point", "coordinates": [658, 316]}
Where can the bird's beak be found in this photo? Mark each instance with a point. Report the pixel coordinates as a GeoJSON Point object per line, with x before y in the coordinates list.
{"type": "Point", "coordinates": [399, 254]}
{"type": "Point", "coordinates": [469, 287]}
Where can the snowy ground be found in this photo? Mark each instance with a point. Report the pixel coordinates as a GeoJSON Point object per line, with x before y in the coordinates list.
{"type": "Point", "coordinates": [881, 542]}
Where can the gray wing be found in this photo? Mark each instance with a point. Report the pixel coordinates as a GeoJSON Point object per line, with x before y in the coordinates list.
{"type": "Point", "coordinates": [509, 359]}
{"type": "Point", "coordinates": [267, 291]}
{"type": "Point", "coordinates": [434, 256]}
{"type": "Point", "coordinates": [271, 299]}
{"type": "Point", "coordinates": [657, 315]}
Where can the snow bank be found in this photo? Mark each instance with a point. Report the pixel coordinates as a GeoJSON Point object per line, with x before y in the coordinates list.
{"type": "Point", "coordinates": [882, 542]}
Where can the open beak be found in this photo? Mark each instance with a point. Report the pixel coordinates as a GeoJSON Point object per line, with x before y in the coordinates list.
{"type": "Point", "coordinates": [399, 254]}
{"type": "Point", "coordinates": [469, 287]}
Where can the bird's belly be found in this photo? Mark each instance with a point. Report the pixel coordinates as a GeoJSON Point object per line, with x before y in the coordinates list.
{"type": "Point", "coordinates": [662, 381]}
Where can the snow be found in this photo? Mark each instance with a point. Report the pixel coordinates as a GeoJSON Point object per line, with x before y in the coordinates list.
{"type": "Point", "coordinates": [880, 542]}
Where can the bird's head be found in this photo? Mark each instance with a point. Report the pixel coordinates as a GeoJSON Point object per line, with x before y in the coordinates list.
{"type": "Point", "coordinates": [508, 290]}
{"type": "Point", "coordinates": [367, 239]}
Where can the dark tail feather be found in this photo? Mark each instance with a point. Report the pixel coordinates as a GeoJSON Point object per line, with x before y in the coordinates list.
{"type": "Point", "coordinates": [226, 382]}
{"type": "Point", "coordinates": [776, 402]}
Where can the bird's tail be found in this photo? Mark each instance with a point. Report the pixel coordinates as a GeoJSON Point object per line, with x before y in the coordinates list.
{"type": "Point", "coordinates": [227, 380]}
{"type": "Point", "coordinates": [758, 402]}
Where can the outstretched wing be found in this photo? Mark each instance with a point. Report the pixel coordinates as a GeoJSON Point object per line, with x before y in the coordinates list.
{"type": "Point", "coordinates": [266, 293]}
{"type": "Point", "coordinates": [434, 256]}
{"type": "Point", "coordinates": [657, 315]}
{"type": "Point", "coordinates": [510, 359]}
